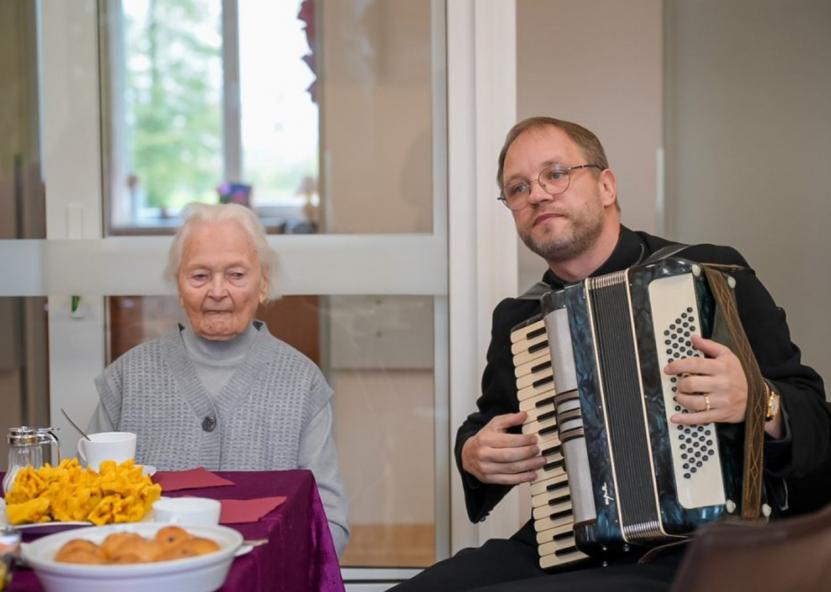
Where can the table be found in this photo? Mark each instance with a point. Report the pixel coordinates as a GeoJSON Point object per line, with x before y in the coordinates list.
{"type": "Point", "coordinates": [299, 554]}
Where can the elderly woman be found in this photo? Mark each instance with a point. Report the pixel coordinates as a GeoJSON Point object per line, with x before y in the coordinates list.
{"type": "Point", "coordinates": [222, 392]}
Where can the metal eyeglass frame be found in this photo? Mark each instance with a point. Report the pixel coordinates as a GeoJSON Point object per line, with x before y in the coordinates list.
{"type": "Point", "coordinates": [557, 169]}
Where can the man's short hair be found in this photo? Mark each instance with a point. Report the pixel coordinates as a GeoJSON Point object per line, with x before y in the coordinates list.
{"type": "Point", "coordinates": [585, 139]}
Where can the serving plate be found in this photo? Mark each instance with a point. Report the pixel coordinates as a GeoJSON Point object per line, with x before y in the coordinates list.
{"type": "Point", "coordinates": [204, 573]}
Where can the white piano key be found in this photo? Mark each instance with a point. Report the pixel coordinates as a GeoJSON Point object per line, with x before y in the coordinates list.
{"type": "Point", "coordinates": [546, 535]}
{"type": "Point", "coordinates": [535, 413]}
{"type": "Point", "coordinates": [557, 496]}
{"type": "Point", "coordinates": [530, 379]}
{"type": "Point", "coordinates": [544, 397]}
{"type": "Point", "coordinates": [533, 391]}
{"type": "Point", "coordinates": [530, 345]}
{"type": "Point", "coordinates": [552, 511]}
{"type": "Point", "coordinates": [540, 486]}
{"type": "Point", "coordinates": [538, 425]}
{"type": "Point", "coordinates": [549, 442]}
{"type": "Point", "coordinates": [524, 332]}
{"type": "Point", "coordinates": [555, 559]}
{"type": "Point", "coordinates": [533, 366]}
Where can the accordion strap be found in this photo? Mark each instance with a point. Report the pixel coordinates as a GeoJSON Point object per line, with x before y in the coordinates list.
{"type": "Point", "coordinates": [535, 292]}
{"type": "Point", "coordinates": [727, 316]}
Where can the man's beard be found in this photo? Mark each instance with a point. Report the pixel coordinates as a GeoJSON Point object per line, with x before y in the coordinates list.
{"type": "Point", "coordinates": [556, 249]}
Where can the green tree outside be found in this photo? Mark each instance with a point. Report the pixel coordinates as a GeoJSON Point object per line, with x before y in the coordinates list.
{"type": "Point", "coordinates": [174, 100]}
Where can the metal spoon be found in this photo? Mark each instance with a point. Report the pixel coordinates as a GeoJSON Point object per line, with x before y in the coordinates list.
{"type": "Point", "coordinates": [75, 425]}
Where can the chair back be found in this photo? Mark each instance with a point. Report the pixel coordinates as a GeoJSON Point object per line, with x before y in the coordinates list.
{"type": "Point", "coordinates": [792, 554]}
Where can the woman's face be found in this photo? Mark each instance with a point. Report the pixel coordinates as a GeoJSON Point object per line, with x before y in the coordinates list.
{"type": "Point", "coordinates": [220, 280]}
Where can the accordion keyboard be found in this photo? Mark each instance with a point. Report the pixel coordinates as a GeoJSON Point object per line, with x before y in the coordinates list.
{"type": "Point", "coordinates": [550, 496]}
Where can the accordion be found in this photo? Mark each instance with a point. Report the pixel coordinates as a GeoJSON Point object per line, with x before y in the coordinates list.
{"type": "Point", "coordinates": [590, 375]}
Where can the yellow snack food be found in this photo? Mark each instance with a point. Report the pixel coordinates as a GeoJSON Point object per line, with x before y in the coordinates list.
{"type": "Point", "coordinates": [34, 510]}
{"type": "Point", "coordinates": [68, 492]}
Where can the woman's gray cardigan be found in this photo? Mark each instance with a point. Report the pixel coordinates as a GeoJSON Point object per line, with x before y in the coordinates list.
{"type": "Point", "coordinates": [274, 413]}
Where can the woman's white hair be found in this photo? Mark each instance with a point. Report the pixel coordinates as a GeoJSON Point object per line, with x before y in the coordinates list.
{"type": "Point", "coordinates": [199, 213]}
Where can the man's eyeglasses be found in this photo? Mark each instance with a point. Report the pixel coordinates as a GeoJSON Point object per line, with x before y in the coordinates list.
{"type": "Point", "coordinates": [554, 180]}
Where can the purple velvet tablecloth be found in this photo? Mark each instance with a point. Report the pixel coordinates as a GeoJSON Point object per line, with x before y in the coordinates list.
{"type": "Point", "coordinates": [299, 555]}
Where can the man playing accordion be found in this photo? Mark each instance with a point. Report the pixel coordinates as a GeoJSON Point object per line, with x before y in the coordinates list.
{"type": "Point", "coordinates": [555, 180]}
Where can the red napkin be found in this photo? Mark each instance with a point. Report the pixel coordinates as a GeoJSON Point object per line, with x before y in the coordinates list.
{"type": "Point", "coordinates": [239, 511]}
{"type": "Point", "coordinates": [193, 479]}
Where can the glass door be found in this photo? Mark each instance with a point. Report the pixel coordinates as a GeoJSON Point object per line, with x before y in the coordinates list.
{"type": "Point", "coordinates": [328, 119]}
{"type": "Point", "coordinates": [339, 138]}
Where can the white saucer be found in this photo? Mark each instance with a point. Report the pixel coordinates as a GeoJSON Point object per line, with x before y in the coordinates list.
{"type": "Point", "coordinates": [148, 470]}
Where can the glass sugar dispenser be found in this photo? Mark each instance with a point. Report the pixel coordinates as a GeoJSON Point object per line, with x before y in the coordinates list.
{"type": "Point", "coordinates": [26, 449]}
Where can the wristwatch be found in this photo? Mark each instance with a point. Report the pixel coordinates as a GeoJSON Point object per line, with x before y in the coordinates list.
{"type": "Point", "coordinates": [773, 403]}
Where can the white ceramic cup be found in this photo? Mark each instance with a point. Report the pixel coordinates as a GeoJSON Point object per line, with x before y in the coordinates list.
{"type": "Point", "coordinates": [117, 446]}
{"type": "Point", "coordinates": [187, 511]}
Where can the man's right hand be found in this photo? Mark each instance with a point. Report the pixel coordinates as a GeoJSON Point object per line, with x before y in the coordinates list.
{"type": "Point", "coordinates": [495, 456]}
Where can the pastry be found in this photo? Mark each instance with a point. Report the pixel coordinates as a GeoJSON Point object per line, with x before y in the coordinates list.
{"type": "Point", "coordinates": [116, 539]}
{"type": "Point", "coordinates": [170, 535]}
{"type": "Point", "coordinates": [137, 551]}
{"type": "Point", "coordinates": [170, 542]}
{"type": "Point", "coordinates": [81, 551]}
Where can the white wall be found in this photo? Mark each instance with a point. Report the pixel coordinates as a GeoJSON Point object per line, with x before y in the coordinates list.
{"type": "Point", "coordinates": [749, 86]}
{"type": "Point", "coordinates": [598, 63]}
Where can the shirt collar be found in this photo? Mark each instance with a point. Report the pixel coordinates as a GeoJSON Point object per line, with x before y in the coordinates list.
{"type": "Point", "coordinates": [628, 251]}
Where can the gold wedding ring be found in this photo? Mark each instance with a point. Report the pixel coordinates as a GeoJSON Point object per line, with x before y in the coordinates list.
{"type": "Point", "coordinates": [707, 406]}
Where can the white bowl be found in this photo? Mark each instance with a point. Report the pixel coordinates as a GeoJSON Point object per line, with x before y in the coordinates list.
{"type": "Point", "coordinates": [187, 511]}
{"type": "Point", "coordinates": [204, 573]}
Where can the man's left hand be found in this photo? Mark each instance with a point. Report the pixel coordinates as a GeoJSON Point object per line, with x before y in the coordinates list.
{"type": "Point", "coordinates": [713, 388]}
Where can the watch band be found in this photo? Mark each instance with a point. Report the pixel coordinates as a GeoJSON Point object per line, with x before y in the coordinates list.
{"type": "Point", "coordinates": [772, 403]}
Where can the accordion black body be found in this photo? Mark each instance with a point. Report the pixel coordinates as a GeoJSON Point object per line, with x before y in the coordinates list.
{"type": "Point", "coordinates": [633, 477]}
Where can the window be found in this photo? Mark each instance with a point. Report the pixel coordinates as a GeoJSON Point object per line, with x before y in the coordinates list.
{"type": "Point", "coordinates": [321, 115]}
{"type": "Point", "coordinates": [210, 101]}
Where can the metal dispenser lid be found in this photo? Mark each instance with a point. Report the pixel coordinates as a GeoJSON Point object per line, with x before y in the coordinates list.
{"type": "Point", "coordinates": [22, 436]}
